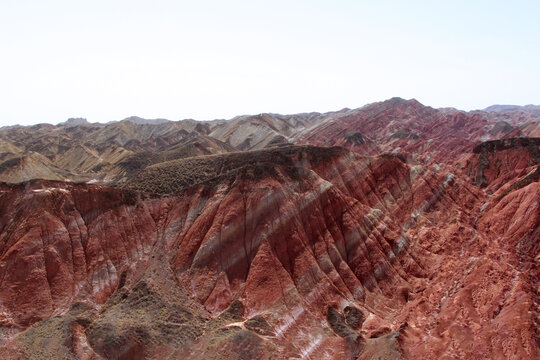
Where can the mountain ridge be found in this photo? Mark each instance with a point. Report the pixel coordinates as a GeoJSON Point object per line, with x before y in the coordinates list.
{"type": "Point", "coordinates": [407, 127]}
{"type": "Point", "coordinates": [392, 231]}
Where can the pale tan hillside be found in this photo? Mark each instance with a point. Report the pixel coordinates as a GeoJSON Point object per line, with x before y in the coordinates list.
{"type": "Point", "coordinates": [116, 152]}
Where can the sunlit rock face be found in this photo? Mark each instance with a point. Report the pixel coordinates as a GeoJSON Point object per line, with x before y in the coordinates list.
{"type": "Point", "coordinates": [419, 132]}
{"type": "Point", "coordinates": [385, 246]}
{"type": "Point", "coordinates": [324, 255]}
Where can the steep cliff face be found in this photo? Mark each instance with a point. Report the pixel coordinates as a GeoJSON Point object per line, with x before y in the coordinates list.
{"type": "Point", "coordinates": [297, 252]}
{"type": "Point", "coordinates": [504, 163]}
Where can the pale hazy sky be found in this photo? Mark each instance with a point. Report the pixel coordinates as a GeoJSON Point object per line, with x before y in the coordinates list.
{"type": "Point", "coordinates": [106, 60]}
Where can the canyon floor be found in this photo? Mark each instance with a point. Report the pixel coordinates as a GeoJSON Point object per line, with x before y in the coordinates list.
{"type": "Point", "coordinates": [391, 231]}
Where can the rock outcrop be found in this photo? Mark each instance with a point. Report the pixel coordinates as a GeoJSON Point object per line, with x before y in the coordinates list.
{"type": "Point", "coordinates": [299, 252]}
{"type": "Point", "coordinates": [421, 133]}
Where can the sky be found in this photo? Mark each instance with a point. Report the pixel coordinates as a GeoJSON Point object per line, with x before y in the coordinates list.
{"type": "Point", "coordinates": [107, 60]}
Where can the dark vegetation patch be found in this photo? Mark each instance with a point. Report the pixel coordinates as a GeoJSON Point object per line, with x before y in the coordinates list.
{"type": "Point", "coordinates": [259, 325]}
{"type": "Point", "coordinates": [337, 323]}
{"type": "Point", "coordinates": [234, 343]}
{"type": "Point", "coordinates": [53, 338]}
{"type": "Point", "coordinates": [172, 176]}
{"type": "Point", "coordinates": [354, 317]}
{"type": "Point", "coordinates": [195, 146]}
{"type": "Point", "coordinates": [235, 311]}
{"type": "Point", "coordinates": [140, 321]}
{"type": "Point", "coordinates": [340, 326]}
{"type": "Point", "coordinates": [225, 341]}
{"type": "Point", "coordinates": [505, 144]}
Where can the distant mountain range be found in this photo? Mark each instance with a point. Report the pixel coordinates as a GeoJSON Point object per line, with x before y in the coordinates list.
{"type": "Point", "coordinates": [112, 153]}
{"type": "Point", "coordinates": [533, 109]}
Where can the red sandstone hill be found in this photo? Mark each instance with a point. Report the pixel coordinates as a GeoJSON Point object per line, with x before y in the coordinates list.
{"type": "Point", "coordinates": [419, 132]}
{"type": "Point", "coordinates": [322, 254]}
{"type": "Point", "coordinates": [281, 252]}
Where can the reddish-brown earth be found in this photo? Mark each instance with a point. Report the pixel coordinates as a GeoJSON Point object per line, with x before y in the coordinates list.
{"type": "Point", "coordinates": [422, 133]}
{"type": "Point", "coordinates": [286, 252]}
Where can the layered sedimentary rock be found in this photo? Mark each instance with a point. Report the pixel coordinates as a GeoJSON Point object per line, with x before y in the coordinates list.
{"type": "Point", "coordinates": [500, 163]}
{"type": "Point", "coordinates": [420, 132]}
{"type": "Point", "coordinates": [291, 252]}
{"type": "Point", "coordinates": [100, 153]}
{"type": "Point", "coordinates": [113, 153]}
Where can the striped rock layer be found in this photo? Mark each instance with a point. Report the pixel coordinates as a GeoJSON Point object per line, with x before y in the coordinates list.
{"type": "Point", "coordinates": [328, 255]}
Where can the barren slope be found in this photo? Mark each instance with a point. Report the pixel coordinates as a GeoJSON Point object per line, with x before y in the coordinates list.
{"type": "Point", "coordinates": [425, 134]}
{"type": "Point", "coordinates": [301, 253]}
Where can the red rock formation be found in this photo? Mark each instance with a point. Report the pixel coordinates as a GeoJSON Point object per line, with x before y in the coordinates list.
{"type": "Point", "coordinates": [324, 255]}
{"type": "Point", "coordinates": [416, 131]}
{"type": "Point", "coordinates": [498, 163]}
